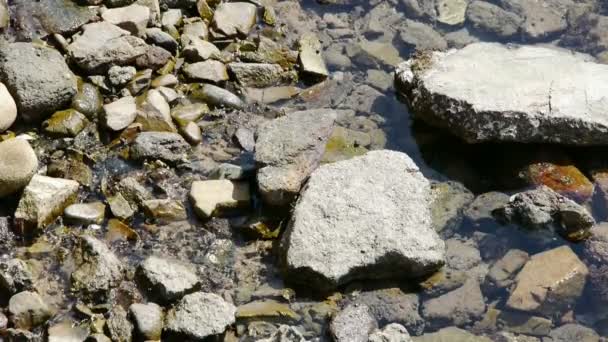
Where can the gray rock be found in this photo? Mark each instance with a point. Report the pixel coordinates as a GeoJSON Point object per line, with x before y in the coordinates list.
{"type": "Point", "coordinates": [218, 97]}
{"type": "Point", "coordinates": [391, 333]}
{"type": "Point", "coordinates": [97, 268]}
{"type": "Point", "coordinates": [8, 107]}
{"type": "Point", "coordinates": [479, 212]}
{"type": "Point", "coordinates": [167, 280]}
{"type": "Point", "coordinates": [88, 100]}
{"type": "Point", "coordinates": [28, 310]}
{"type": "Point", "coordinates": [596, 246]}
{"type": "Point", "coordinates": [420, 8]}
{"type": "Point", "coordinates": [246, 138]}
{"type": "Point", "coordinates": [148, 319]}
{"type": "Point", "coordinates": [15, 276]}
{"type": "Point", "coordinates": [5, 15]}
{"type": "Point", "coordinates": [543, 208]}
{"type": "Point", "coordinates": [522, 322]}
{"type": "Point", "coordinates": [451, 12]}
{"type": "Point", "coordinates": [460, 38]}
{"type": "Point", "coordinates": [41, 88]}
{"type": "Point", "coordinates": [502, 273]}
{"type": "Point", "coordinates": [120, 113]}
{"type": "Point", "coordinates": [155, 58]}
{"type": "Point", "coordinates": [161, 38]}
{"type": "Point", "coordinates": [551, 107]}
{"type": "Point", "coordinates": [218, 197]}
{"type": "Point", "coordinates": [133, 18]}
{"type": "Point", "coordinates": [574, 332]}
{"type": "Point", "coordinates": [421, 36]}
{"type": "Point", "coordinates": [211, 70]}
{"type": "Point", "coordinates": [311, 60]}
{"type": "Point", "coordinates": [166, 146]}
{"type": "Point", "coordinates": [288, 149]}
{"type": "Point", "coordinates": [460, 307]}
{"type": "Point", "coordinates": [394, 306]}
{"type": "Point", "coordinates": [490, 18]}
{"type": "Point", "coordinates": [541, 20]}
{"type": "Point", "coordinates": [18, 164]}
{"type": "Point", "coordinates": [196, 49]}
{"type": "Point", "coordinates": [337, 235]}
{"type": "Point", "coordinates": [587, 33]}
{"type": "Point", "coordinates": [537, 290]}
{"type": "Point", "coordinates": [450, 334]}
{"type": "Point", "coordinates": [86, 213]}
{"type": "Point", "coordinates": [200, 315]}
{"type": "Point", "coordinates": [102, 45]}
{"type": "Point", "coordinates": [233, 18]}
{"type": "Point", "coordinates": [65, 332]}
{"type": "Point", "coordinates": [120, 207]}
{"type": "Point", "coordinates": [121, 75]}
{"type": "Point", "coordinates": [118, 325]}
{"type": "Point", "coordinates": [353, 324]}
{"type": "Point", "coordinates": [140, 82]}
{"type": "Point", "coordinates": [133, 191]}
{"type": "Point", "coordinates": [154, 112]}
{"type": "Point", "coordinates": [43, 200]}
{"type": "Point", "coordinates": [285, 333]}
{"type": "Point", "coordinates": [257, 75]}
{"type": "Point", "coordinates": [450, 200]}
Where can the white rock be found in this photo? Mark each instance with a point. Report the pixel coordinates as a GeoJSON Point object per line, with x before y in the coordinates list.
{"type": "Point", "coordinates": [451, 12]}
{"type": "Point", "coordinates": [233, 18]}
{"type": "Point", "coordinates": [8, 109]}
{"type": "Point", "coordinates": [18, 163]}
{"type": "Point", "coordinates": [120, 113]}
{"type": "Point", "coordinates": [212, 197]}
{"type": "Point", "coordinates": [133, 18]}
{"type": "Point", "coordinates": [211, 70]}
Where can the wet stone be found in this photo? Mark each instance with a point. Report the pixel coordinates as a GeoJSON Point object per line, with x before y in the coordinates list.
{"type": "Point", "coordinates": [8, 108]}
{"type": "Point", "coordinates": [574, 332]}
{"type": "Point", "coordinates": [218, 97]}
{"type": "Point", "coordinates": [166, 146]}
{"type": "Point", "coordinates": [353, 324]}
{"type": "Point", "coordinates": [88, 100]}
{"type": "Point", "coordinates": [523, 323]}
{"type": "Point", "coordinates": [459, 307]}
{"type": "Point", "coordinates": [566, 180]}
{"type": "Point", "coordinates": [211, 70]}
{"type": "Point", "coordinates": [18, 163]}
{"type": "Point", "coordinates": [165, 210]}
{"type": "Point", "coordinates": [97, 268]}
{"type": "Point", "coordinates": [118, 325]}
{"type": "Point", "coordinates": [219, 197]}
{"type": "Point", "coordinates": [148, 320]}
{"type": "Point", "coordinates": [502, 273]}
{"type": "Point", "coordinates": [391, 333]}
{"type": "Point", "coordinates": [166, 280]}
{"type": "Point", "coordinates": [133, 18]}
{"type": "Point", "coordinates": [421, 36]}
{"type": "Point", "coordinates": [120, 113]}
{"type": "Point", "coordinates": [86, 213]}
{"type": "Point", "coordinates": [28, 310]}
{"type": "Point", "coordinates": [65, 123]}
{"type": "Point", "coordinates": [192, 133]}
{"type": "Point", "coordinates": [15, 276]}
{"type": "Point", "coordinates": [451, 334]}
{"type": "Point", "coordinates": [140, 82]}
{"type": "Point", "coordinates": [233, 18]}
{"type": "Point", "coordinates": [488, 17]}
{"type": "Point", "coordinates": [451, 12]}
{"type": "Point", "coordinates": [120, 207]}
{"type": "Point", "coordinates": [258, 75]}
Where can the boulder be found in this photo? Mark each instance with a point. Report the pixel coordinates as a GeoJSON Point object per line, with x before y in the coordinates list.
{"type": "Point", "coordinates": [288, 149]}
{"type": "Point", "coordinates": [18, 164]}
{"type": "Point", "coordinates": [166, 146]}
{"type": "Point", "coordinates": [353, 324]}
{"type": "Point", "coordinates": [166, 280]}
{"type": "Point", "coordinates": [38, 79]}
{"type": "Point", "coordinates": [549, 283]}
{"type": "Point", "coordinates": [511, 94]}
{"type": "Point", "coordinates": [8, 109]}
{"type": "Point", "coordinates": [219, 197]}
{"type": "Point", "coordinates": [97, 268]}
{"type": "Point", "coordinates": [337, 234]}
{"type": "Point", "coordinates": [43, 200]}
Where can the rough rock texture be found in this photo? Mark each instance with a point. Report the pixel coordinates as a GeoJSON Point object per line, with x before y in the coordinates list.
{"type": "Point", "coordinates": [118, 325]}
{"type": "Point", "coordinates": [27, 310]}
{"type": "Point", "coordinates": [18, 163]}
{"type": "Point", "coordinates": [200, 315]}
{"type": "Point", "coordinates": [216, 197]}
{"type": "Point", "coordinates": [574, 332]}
{"type": "Point", "coordinates": [353, 324]}
{"type": "Point", "coordinates": [550, 282]}
{"type": "Point", "coordinates": [337, 234]}
{"type": "Point", "coordinates": [120, 113]}
{"type": "Point", "coordinates": [166, 280]}
{"type": "Point", "coordinates": [133, 18]}
{"type": "Point", "coordinates": [15, 276]}
{"type": "Point", "coordinates": [257, 75]}
{"type": "Point", "coordinates": [166, 146]}
{"type": "Point", "coordinates": [236, 18]}
{"type": "Point", "coordinates": [459, 307]}
{"type": "Point", "coordinates": [8, 108]}
{"type": "Point", "coordinates": [38, 79]}
{"type": "Point", "coordinates": [43, 200]}
{"type": "Point", "coordinates": [288, 149]}
{"type": "Point", "coordinates": [451, 334]}
{"type": "Point", "coordinates": [285, 333]}
{"type": "Point", "coordinates": [148, 319]}
{"type": "Point", "coordinates": [97, 268]}
{"type": "Point", "coordinates": [518, 94]}
{"type": "Point", "coordinates": [596, 247]}
{"type": "Point", "coordinates": [488, 17]}
{"type": "Point", "coordinates": [391, 333]}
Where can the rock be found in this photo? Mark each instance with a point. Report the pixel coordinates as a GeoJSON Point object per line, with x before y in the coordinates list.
{"type": "Point", "coordinates": [172, 17]}
{"type": "Point", "coordinates": [540, 20]}
{"type": "Point", "coordinates": [391, 333]}
{"type": "Point", "coordinates": [18, 164]}
{"type": "Point", "coordinates": [200, 315]}
{"type": "Point", "coordinates": [165, 210]}
{"type": "Point", "coordinates": [167, 80]}
{"type": "Point", "coordinates": [574, 332]}
{"type": "Point", "coordinates": [353, 324]}
{"type": "Point", "coordinates": [219, 197]}
{"type": "Point", "coordinates": [393, 306]}
{"type": "Point", "coordinates": [285, 333]}
{"type": "Point", "coordinates": [194, 29]}
{"type": "Point", "coordinates": [587, 33]}
{"type": "Point", "coordinates": [155, 112]}
{"type": "Point", "coordinates": [218, 97]}
{"type": "Point", "coordinates": [460, 307]}
{"type": "Point", "coordinates": [561, 176]}
{"type": "Point", "coordinates": [155, 58]}
{"type": "Point", "coordinates": [450, 200]}
{"type": "Point", "coordinates": [161, 38]}
{"type": "Point", "coordinates": [196, 49]}
{"type": "Point", "coordinates": [502, 273]}
{"type": "Point", "coordinates": [521, 322]}
{"type": "Point", "coordinates": [183, 114]}
{"type": "Point", "coordinates": [133, 191]}
{"type": "Point", "coordinates": [15, 276]}
{"type": "Point", "coordinates": [121, 75]}
{"type": "Point", "coordinates": [311, 60]}
{"type": "Point", "coordinates": [41, 88]}
{"type": "Point", "coordinates": [120, 113]}
{"type": "Point", "coordinates": [86, 213]}
{"type": "Point", "coordinates": [288, 149]}
{"type": "Point", "coordinates": [362, 246]}
{"type": "Point", "coordinates": [451, 12]}
{"type": "Point", "coordinates": [102, 45]}
{"type": "Point", "coordinates": [460, 38]}
{"type": "Point", "coordinates": [140, 82]}
{"type": "Point", "coordinates": [28, 310]}
{"type": "Point", "coordinates": [5, 16]}
{"type": "Point", "coordinates": [233, 18]}
{"type": "Point", "coordinates": [550, 282]}
{"type": "Point", "coordinates": [97, 268]}
{"type": "Point", "coordinates": [490, 18]}
{"type": "Point", "coordinates": [421, 36]}
{"type": "Point", "coordinates": [529, 110]}
{"type": "Point", "coordinates": [133, 18]}
{"type": "Point", "coordinates": [22, 335]}
{"type": "Point", "coordinates": [450, 334]}
{"type": "Point", "coordinates": [8, 107]}
{"type": "Point", "coordinates": [120, 207]}
{"type": "Point", "coordinates": [166, 146]}
{"type": "Point", "coordinates": [148, 319]}
{"type": "Point", "coordinates": [73, 169]}
{"type": "Point", "coordinates": [65, 332]}
{"type": "Point", "coordinates": [88, 100]}
{"type": "Point", "coordinates": [169, 94]}
{"type": "Point", "coordinates": [43, 200]}
{"type": "Point", "coordinates": [267, 309]}
{"type": "Point", "coordinates": [167, 280]}
{"type": "Point", "coordinates": [376, 52]}
{"type": "Point", "coordinates": [192, 133]}
{"type": "Point", "coordinates": [543, 208]}
{"type": "Point", "coordinates": [420, 8]}
{"type": "Point", "coordinates": [596, 247]}
{"type": "Point", "coordinates": [118, 325]}
{"type": "Point", "coordinates": [211, 70]}
{"type": "Point", "coordinates": [65, 123]}
{"type": "Point", "coordinates": [479, 212]}
{"type": "Point", "coordinates": [118, 231]}
{"type": "Point", "coordinates": [257, 75]}
{"type": "Point", "coordinates": [245, 138]}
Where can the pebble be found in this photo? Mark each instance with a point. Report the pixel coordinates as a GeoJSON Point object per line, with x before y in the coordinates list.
{"type": "Point", "coordinates": [18, 164]}
{"type": "Point", "coordinates": [166, 146]}
{"type": "Point", "coordinates": [86, 213]}
{"type": "Point", "coordinates": [8, 109]}
{"type": "Point", "coordinates": [121, 75]}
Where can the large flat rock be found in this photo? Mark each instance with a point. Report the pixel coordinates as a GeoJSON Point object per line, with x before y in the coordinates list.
{"type": "Point", "coordinates": [363, 218]}
{"type": "Point", "coordinates": [494, 92]}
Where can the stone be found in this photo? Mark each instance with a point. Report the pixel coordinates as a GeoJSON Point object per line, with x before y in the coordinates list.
{"type": "Point", "coordinates": [266, 309]}
{"type": "Point", "coordinates": [421, 36]}
{"type": "Point", "coordinates": [133, 191]}
{"type": "Point", "coordinates": [133, 18]}
{"type": "Point", "coordinates": [479, 212]}
{"type": "Point", "coordinates": [543, 208]}
{"type": "Point", "coordinates": [166, 146]}
{"type": "Point", "coordinates": [88, 100]}
{"type": "Point", "coordinates": [451, 12]}
{"type": "Point", "coordinates": [165, 210]}
{"type": "Point", "coordinates": [172, 17]}
{"type": "Point", "coordinates": [18, 164]}
{"type": "Point", "coordinates": [148, 319]}
{"type": "Point", "coordinates": [218, 97]}
{"type": "Point", "coordinates": [561, 176]}
{"type": "Point", "coordinates": [167, 280]}
{"type": "Point", "coordinates": [353, 324]}
{"type": "Point", "coordinates": [102, 45]}
{"type": "Point", "coordinates": [285, 333]}
{"type": "Point", "coordinates": [541, 20]}
{"type": "Point", "coordinates": [196, 49]}
{"type": "Point", "coordinates": [257, 75]}
{"type": "Point", "coordinates": [28, 310]}
{"type": "Point", "coordinates": [15, 276]}
{"type": "Point", "coordinates": [86, 213]}
{"type": "Point", "coordinates": [459, 307]}
{"type": "Point", "coordinates": [549, 282]}
{"type": "Point", "coordinates": [41, 88]}
{"type": "Point", "coordinates": [65, 332]}
{"type": "Point", "coordinates": [587, 33]}
{"type": "Point", "coordinates": [183, 114]}
{"type": "Point", "coordinates": [450, 200]}
{"type": "Point", "coordinates": [200, 315]}
{"type": "Point", "coordinates": [533, 109]}
{"type": "Point", "coordinates": [155, 58]}
{"type": "Point", "coordinates": [522, 323]}
{"type": "Point", "coordinates": [167, 80]}
{"type": "Point", "coordinates": [65, 123]}
{"type": "Point", "coordinates": [450, 334]}
{"type": "Point", "coordinates": [192, 133]}
{"type": "Point", "coordinates": [246, 138]}
{"type": "Point", "coordinates": [161, 38]}
{"type": "Point", "coordinates": [194, 29]}
{"type": "Point", "coordinates": [5, 16]}
{"type": "Point", "coordinates": [71, 168]}
{"type": "Point", "coordinates": [288, 149]}
{"type": "Point", "coordinates": [596, 246]}
{"type": "Point", "coordinates": [120, 113]}
{"type": "Point", "coordinates": [219, 197]}
{"type": "Point", "coordinates": [491, 18]}
{"type": "Point", "coordinates": [98, 338]}
{"type": "Point", "coordinates": [120, 207]}
{"type": "Point", "coordinates": [311, 60]}
{"type": "Point", "coordinates": [118, 325]}
{"type": "Point", "coordinates": [233, 18]}
{"type": "Point", "coordinates": [154, 112]}
{"type": "Point", "coordinates": [393, 332]}
{"type": "Point", "coordinates": [211, 70]}
{"type": "Point", "coordinates": [121, 75]}
{"type": "Point", "coordinates": [43, 200]}
{"type": "Point", "coordinates": [8, 108]}
{"type": "Point", "coordinates": [140, 82]}
{"type": "Point", "coordinates": [97, 268]}
{"type": "Point", "coordinates": [574, 332]}
{"type": "Point", "coordinates": [118, 231]}
{"type": "Point", "coordinates": [395, 230]}
{"type": "Point", "coordinates": [501, 275]}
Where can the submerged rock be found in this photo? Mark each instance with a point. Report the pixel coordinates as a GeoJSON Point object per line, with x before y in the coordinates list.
{"type": "Point", "coordinates": [97, 268]}
{"type": "Point", "coordinates": [353, 324]}
{"type": "Point", "coordinates": [451, 334]}
{"type": "Point", "coordinates": [166, 280]}
{"type": "Point", "coordinates": [28, 310]}
{"type": "Point", "coordinates": [166, 146]}
{"type": "Point", "coordinates": [459, 307]}
{"type": "Point", "coordinates": [488, 17]}
{"type": "Point", "coordinates": [337, 234]}
{"type": "Point", "coordinates": [516, 94]}
{"type": "Point", "coordinates": [18, 164]}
